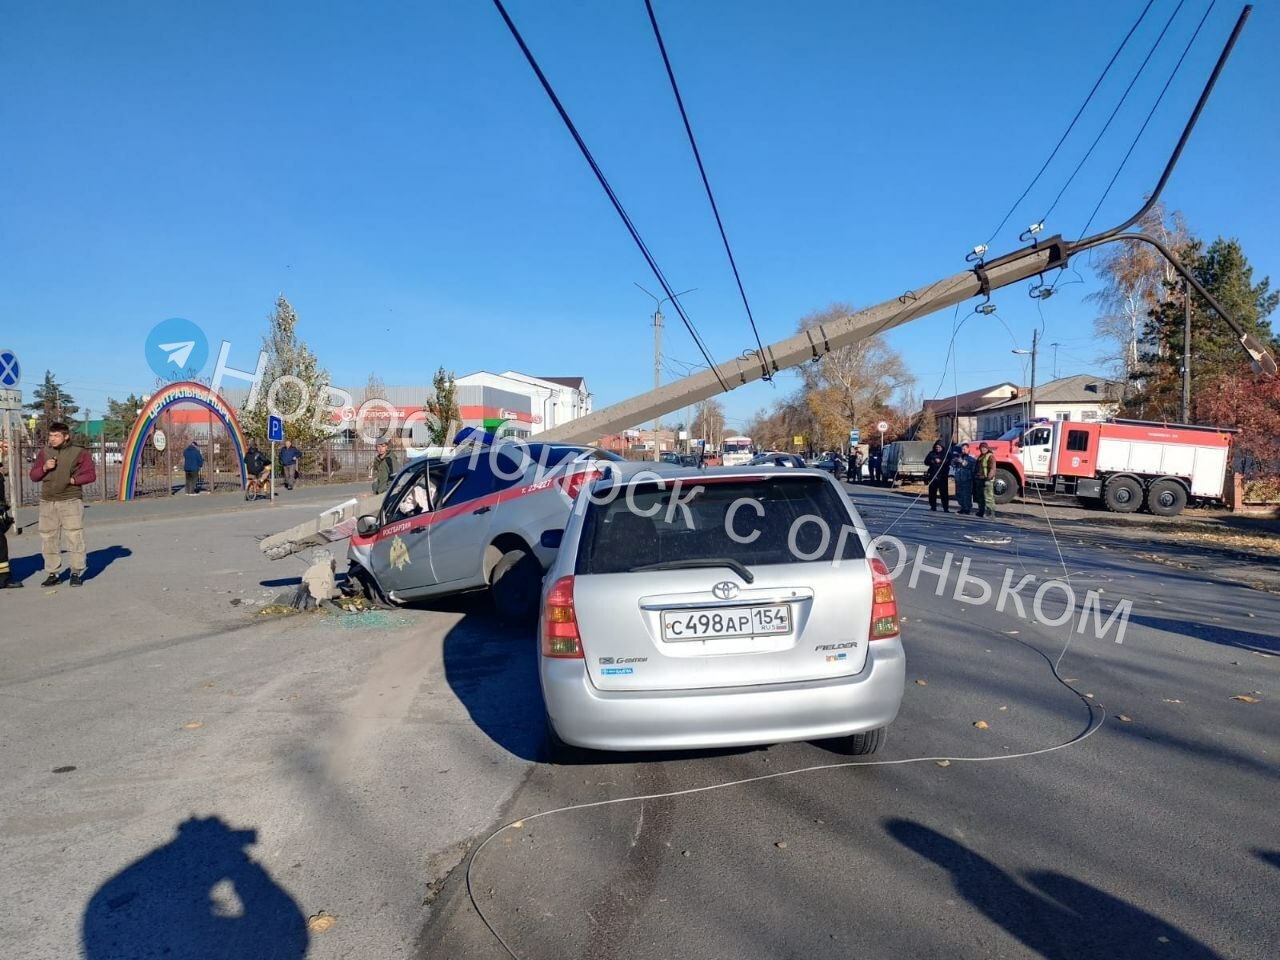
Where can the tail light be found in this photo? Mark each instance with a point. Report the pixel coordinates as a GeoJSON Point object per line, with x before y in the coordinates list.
{"type": "Point", "coordinates": [573, 483]}
{"type": "Point", "coordinates": [560, 636]}
{"type": "Point", "coordinates": [884, 604]}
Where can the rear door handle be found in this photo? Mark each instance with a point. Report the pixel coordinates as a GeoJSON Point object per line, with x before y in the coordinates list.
{"type": "Point", "coordinates": [476, 513]}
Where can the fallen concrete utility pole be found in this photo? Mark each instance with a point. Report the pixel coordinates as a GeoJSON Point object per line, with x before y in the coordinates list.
{"type": "Point", "coordinates": [984, 277]}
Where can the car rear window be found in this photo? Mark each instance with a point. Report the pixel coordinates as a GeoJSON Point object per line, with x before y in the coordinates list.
{"type": "Point", "coordinates": [697, 520]}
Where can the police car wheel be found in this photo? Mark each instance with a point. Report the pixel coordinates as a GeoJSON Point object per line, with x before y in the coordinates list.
{"type": "Point", "coordinates": [514, 586]}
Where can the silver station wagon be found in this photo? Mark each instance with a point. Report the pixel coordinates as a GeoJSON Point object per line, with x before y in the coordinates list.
{"type": "Point", "coordinates": [486, 518]}
{"type": "Point", "coordinates": [737, 606]}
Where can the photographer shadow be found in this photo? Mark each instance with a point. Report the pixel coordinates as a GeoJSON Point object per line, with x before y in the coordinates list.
{"type": "Point", "coordinates": [198, 897]}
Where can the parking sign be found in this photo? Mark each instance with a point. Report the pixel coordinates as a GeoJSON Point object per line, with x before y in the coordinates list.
{"type": "Point", "coordinates": [275, 429]}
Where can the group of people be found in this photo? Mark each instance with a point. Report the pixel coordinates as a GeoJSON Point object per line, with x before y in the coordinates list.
{"type": "Point", "coordinates": [871, 461]}
{"type": "Point", "coordinates": [974, 477]}
{"type": "Point", "coordinates": [257, 468]}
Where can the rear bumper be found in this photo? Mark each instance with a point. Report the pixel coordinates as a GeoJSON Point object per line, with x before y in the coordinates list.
{"type": "Point", "coordinates": [723, 717]}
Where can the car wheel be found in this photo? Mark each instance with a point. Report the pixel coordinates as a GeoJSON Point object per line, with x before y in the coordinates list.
{"type": "Point", "coordinates": [1005, 485]}
{"type": "Point", "coordinates": [514, 585]}
{"type": "Point", "coordinates": [366, 584]}
{"type": "Point", "coordinates": [860, 744]}
{"type": "Point", "coordinates": [1166, 498]}
{"type": "Point", "coordinates": [1123, 495]}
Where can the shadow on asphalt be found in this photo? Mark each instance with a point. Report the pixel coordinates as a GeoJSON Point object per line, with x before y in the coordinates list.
{"type": "Point", "coordinates": [1269, 857]}
{"type": "Point", "coordinates": [1061, 918]}
{"type": "Point", "coordinates": [1211, 633]}
{"type": "Point", "coordinates": [96, 561]}
{"type": "Point", "coordinates": [492, 668]}
{"type": "Point", "coordinates": [198, 896]}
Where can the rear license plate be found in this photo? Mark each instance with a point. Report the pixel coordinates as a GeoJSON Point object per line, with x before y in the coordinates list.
{"type": "Point", "coordinates": [678, 625]}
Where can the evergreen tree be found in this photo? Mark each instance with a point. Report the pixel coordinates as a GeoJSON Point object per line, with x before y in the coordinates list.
{"type": "Point", "coordinates": [121, 416]}
{"type": "Point", "coordinates": [293, 384]}
{"type": "Point", "coordinates": [50, 402]}
{"type": "Point", "coordinates": [1225, 272]}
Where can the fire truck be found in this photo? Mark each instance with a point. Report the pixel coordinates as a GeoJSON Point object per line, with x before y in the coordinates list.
{"type": "Point", "coordinates": [1121, 464]}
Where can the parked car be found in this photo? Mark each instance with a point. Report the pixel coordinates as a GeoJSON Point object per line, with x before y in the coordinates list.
{"type": "Point", "coordinates": [903, 460]}
{"type": "Point", "coordinates": [484, 519]}
{"type": "Point", "coordinates": [776, 459]}
{"type": "Point", "coordinates": [679, 616]}
{"type": "Point", "coordinates": [832, 463]}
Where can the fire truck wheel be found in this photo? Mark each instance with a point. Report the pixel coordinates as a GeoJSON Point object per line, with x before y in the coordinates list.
{"type": "Point", "coordinates": [1123, 495]}
{"type": "Point", "coordinates": [1166, 498]}
{"type": "Point", "coordinates": [1005, 485]}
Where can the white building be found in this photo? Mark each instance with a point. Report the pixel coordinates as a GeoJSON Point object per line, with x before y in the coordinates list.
{"type": "Point", "coordinates": [546, 402]}
{"type": "Point", "coordinates": [1079, 398]}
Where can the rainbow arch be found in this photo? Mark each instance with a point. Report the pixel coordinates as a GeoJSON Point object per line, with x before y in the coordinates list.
{"type": "Point", "coordinates": [184, 391]}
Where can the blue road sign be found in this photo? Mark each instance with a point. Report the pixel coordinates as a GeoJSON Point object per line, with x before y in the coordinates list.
{"type": "Point", "coordinates": [10, 369]}
{"type": "Point", "coordinates": [855, 436]}
{"type": "Point", "coordinates": [275, 430]}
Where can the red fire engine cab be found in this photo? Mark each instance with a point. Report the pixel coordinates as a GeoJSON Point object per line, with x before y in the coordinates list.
{"type": "Point", "coordinates": [1125, 464]}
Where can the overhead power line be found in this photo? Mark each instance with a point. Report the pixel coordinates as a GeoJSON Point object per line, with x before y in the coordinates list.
{"type": "Point", "coordinates": [613, 197]}
{"type": "Point", "coordinates": [1071, 126]}
{"type": "Point", "coordinates": [1123, 97]}
{"type": "Point", "coordinates": [702, 171]}
{"type": "Point", "coordinates": [1151, 113]}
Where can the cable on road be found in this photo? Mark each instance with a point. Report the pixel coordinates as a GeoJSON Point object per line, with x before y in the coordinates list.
{"type": "Point", "coordinates": [706, 183]}
{"type": "Point", "coordinates": [1071, 126]}
{"type": "Point", "coordinates": [1097, 717]}
{"type": "Point", "coordinates": [613, 197]}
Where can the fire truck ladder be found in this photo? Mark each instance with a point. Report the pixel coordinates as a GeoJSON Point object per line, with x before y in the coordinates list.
{"type": "Point", "coordinates": [1052, 253]}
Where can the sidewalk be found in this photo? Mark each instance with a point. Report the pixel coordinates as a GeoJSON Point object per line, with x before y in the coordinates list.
{"type": "Point", "coordinates": [205, 504]}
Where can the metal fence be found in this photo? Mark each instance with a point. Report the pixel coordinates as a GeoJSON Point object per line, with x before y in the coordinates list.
{"type": "Point", "coordinates": [160, 472]}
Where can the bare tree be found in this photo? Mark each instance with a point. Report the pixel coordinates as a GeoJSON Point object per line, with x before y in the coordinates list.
{"type": "Point", "coordinates": [1135, 281]}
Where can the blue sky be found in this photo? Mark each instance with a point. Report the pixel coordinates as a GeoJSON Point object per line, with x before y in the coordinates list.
{"type": "Point", "coordinates": [395, 171]}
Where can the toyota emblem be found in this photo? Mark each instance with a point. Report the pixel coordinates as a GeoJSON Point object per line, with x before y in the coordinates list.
{"type": "Point", "coordinates": [724, 590]}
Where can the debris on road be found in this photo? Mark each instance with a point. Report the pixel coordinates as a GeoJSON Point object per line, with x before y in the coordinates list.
{"type": "Point", "coordinates": [320, 922]}
{"type": "Point", "coordinates": [981, 724]}
{"type": "Point", "coordinates": [1245, 698]}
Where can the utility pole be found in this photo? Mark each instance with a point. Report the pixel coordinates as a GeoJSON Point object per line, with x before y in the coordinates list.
{"type": "Point", "coordinates": [657, 358]}
{"type": "Point", "coordinates": [1186, 352]}
{"type": "Point", "coordinates": [657, 374]}
{"type": "Point", "coordinates": [1035, 337]}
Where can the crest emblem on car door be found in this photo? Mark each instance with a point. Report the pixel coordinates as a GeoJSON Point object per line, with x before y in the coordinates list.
{"type": "Point", "coordinates": [399, 556]}
{"type": "Point", "coordinates": [724, 590]}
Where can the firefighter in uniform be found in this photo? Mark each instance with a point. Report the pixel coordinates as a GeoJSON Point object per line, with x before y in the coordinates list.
{"type": "Point", "coordinates": [984, 482]}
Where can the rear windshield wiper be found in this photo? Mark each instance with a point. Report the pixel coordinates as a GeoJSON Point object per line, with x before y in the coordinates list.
{"type": "Point", "coordinates": [737, 566]}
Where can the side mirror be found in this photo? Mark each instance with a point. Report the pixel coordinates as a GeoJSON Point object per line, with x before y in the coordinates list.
{"type": "Point", "coordinates": [551, 539]}
{"type": "Point", "coordinates": [366, 526]}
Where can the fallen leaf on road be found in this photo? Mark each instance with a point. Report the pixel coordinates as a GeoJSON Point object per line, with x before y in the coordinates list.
{"type": "Point", "coordinates": [922, 683]}
{"type": "Point", "coordinates": [1172, 701]}
{"type": "Point", "coordinates": [1245, 698]}
{"type": "Point", "coordinates": [320, 922]}
{"type": "Point", "coordinates": [943, 763]}
{"type": "Point", "coordinates": [1123, 719]}
{"type": "Point", "coordinates": [518, 824]}
{"type": "Point", "coordinates": [981, 724]}
{"type": "Point", "coordinates": [781, 844]}
{"type": "Point", "coordinates": [193, 725]}
{"type": "Point", "coordinates": [1004, 708]}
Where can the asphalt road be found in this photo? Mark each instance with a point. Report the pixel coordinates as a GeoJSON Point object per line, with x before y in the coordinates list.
{"type": "Point", "coordinates": [369, 754]}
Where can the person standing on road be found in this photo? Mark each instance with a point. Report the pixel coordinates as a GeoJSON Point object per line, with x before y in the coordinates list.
{"type": "Point", "coordinates": [192, 461]}
{"type": "Point", "coordinates": [935, 465]}
{"type": "Point", "coordinates": [384, 468]}
{"type": "Point", "coordinates": [873, 464]}
{"type": "Point", "coordinates": [984, 491]}
{"type": "Point", "coordinates": [289, 457]}
{"type": "Point", "coordinates": [62, 469]}
{"type": "Point", "coordinates": [6, 521]}
{"type": "Point", "coordinates": [962, 466]}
